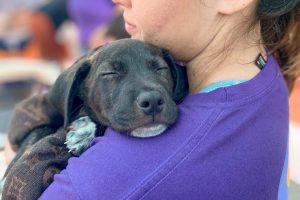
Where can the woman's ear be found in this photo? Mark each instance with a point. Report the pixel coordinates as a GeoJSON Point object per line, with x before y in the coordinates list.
{"type": "Point", "coordinates": [228, 7]}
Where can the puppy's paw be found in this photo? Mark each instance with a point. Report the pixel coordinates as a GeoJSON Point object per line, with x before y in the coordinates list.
{"type": "Point", "coordinates": [80, 134]}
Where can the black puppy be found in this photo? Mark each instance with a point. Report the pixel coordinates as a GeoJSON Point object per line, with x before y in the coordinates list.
{"type": "Point", "coordinates": [130, 86]}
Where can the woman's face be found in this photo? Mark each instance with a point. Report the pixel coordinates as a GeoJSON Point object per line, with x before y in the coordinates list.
{"type": "Point", "coordinates": [184, 27]}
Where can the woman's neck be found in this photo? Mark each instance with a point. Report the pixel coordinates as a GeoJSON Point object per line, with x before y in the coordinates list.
{"type": "Point", "coordinates": [237, 62]}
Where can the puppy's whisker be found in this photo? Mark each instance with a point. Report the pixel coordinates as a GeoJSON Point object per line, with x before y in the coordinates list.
{"type": "Point", "coordinates": [76, 109]}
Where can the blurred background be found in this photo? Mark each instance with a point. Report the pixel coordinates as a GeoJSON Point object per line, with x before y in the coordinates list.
{"type": "Point", "coordinates": [41, 38]}
{"type": "Point", "coordinates": [294, 146]}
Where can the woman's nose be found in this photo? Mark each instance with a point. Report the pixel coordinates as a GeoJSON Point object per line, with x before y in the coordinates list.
{"type": "Point", "coordinates": [123, 3]}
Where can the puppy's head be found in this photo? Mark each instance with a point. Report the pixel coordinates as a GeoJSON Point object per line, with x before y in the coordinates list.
{"type": "Point", "coordinates": [128, 85]}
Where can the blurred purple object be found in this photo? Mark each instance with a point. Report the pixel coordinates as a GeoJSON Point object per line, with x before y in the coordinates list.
{"type": "Point", "coordinates": [90, 14]}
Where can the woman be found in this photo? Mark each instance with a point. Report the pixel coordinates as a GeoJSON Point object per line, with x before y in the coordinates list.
{"type": "Point", "coordinates": [230, 141]}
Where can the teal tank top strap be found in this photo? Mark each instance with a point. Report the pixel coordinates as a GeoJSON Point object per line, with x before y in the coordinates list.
{"type": "Point", "coordinates": [221, 84]}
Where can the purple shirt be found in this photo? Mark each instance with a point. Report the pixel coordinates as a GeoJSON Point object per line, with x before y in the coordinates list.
{"type": "Point", "coordinates": [227, 144]}
{"type": "Point", "coordinates": [89, 15]}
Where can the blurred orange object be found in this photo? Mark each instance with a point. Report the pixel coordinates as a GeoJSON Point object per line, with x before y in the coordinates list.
{"type": "Point", "coordinates": [295, 103]}
{"type": "Point", "coordinates": [43, 44]}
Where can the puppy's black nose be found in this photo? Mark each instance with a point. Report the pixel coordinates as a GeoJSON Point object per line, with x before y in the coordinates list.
{"type": "Point", "coordinates": [150, 102]}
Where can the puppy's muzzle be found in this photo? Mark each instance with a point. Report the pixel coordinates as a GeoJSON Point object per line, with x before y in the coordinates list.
{"type": "Point", "coordinates": [150, 102]}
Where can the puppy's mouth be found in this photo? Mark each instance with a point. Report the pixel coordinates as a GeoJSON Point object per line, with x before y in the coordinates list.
{"type": "Point", "coordinates": [149, 130]}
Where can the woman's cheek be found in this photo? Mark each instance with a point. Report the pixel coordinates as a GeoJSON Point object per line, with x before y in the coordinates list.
{"type": "Point", "coordinates": [151, 30]}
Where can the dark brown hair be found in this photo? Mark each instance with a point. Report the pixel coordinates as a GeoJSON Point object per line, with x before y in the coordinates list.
{"type": "Point", "coordinates": [280, 28]}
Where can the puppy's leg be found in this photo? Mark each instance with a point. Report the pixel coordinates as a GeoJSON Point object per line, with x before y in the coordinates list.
{"type": "Point", "coordinates": [32, 138]}
{"type": "Point", "coordinates": [34, 171]}
{"type": "Point", "coordinates": [80, 135]}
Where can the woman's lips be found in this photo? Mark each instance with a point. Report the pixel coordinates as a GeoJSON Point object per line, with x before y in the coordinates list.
{"type": "Point", "coordinates": [130, 28]}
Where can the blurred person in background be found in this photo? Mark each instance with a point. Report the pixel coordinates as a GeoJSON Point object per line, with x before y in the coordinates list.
{"type": "Point", "coordinates": [30, 30]}
{"type": "Point", "coordinates": [110, 32]}
{"type": "Point", "coordinates": [90, 16]}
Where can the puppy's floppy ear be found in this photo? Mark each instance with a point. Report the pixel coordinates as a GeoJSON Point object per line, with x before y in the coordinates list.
{"type": "Point", "coordinates": [64, 94]}
{"type": "Point", "coordinates": [180, 88]}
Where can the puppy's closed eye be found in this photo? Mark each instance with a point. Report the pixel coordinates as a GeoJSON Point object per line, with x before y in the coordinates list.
{"type": "Point", "coordinates": [157, 66]}
{"type": "Point", "coordinates": [162, 69]}
{"type": "Point", "coordinates": [112, 70]}
{"type": "Point", "coordinates": [153, 64]}
{"type": "Point", "coordinates": [109, 74]}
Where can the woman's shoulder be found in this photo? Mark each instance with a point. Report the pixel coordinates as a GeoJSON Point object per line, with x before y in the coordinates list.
{"type": "Point", "coordinates": [117, 164]}
{"type": "Point", "coordinates": [263, 86]}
